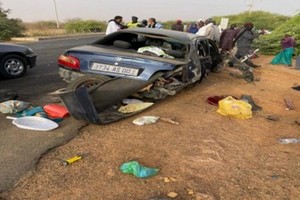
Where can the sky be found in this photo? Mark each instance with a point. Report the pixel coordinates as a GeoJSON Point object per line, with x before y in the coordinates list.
{"type": "Point", "coordinates": [162, 10]}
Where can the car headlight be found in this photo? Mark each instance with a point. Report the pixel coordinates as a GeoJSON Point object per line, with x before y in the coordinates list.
{"type": "Point", "coordinates": [29, 50]}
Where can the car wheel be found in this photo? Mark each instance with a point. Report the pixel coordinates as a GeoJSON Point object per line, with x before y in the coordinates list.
{"type": "Point", "coordinates": [13, 66]}
{"type": "Point", "coordinates": [89, 81]}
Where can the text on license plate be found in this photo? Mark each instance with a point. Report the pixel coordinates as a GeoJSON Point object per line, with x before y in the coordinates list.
{"type": "Point", "coordinates": [114, 69]}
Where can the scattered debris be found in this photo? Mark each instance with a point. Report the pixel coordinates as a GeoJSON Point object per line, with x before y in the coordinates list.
{"type": "Point", "coordinates": [289, 104]}
{"type": "Point", "coordinates": [172, 195]}
{"type": "Point", "coordinates": [288, 140]}
{"type": "Point", "coordinates": [297, 122]}
{"type": "Point", "coordinates": [296, 88]}
{"type": "Point", "coordinates": [8, 94]}
{"type": "Point", "coordinates": [134, 107]}
{"type": "Point", "coordinates": [34, 123]}
{"type": "Point", "coordinates": [272, 118]}
{"type": "Point", "coordinates": [200, 196]}
{"type": "Point", "coordinates": [189, 191]}
{"type": "Point", "coordinates": [13, 106]}
{"type": "Point", "coordinates": [169, 120]}
{"type": "Point", "coordinates": [56, 111]}
{"type": "Point", "coordinates": [133, 167]}
{"type": "Point", "coordinates": [169, 179]}
{"type": "Point", "coordinates": [72, 160]}
{"type": "Point", "coordinates": [131, 101]}
{"type": "Point", "coordinates": [145, 120]}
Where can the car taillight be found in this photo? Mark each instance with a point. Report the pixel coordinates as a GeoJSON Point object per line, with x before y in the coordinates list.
{"type": "Point", "coordinates": [69, 61]}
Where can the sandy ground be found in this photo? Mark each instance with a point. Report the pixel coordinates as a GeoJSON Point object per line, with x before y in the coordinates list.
{"type": "Point", "coordinates": [208, 155]}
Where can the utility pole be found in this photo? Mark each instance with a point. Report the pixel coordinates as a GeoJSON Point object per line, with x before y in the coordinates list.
{"type": "Point", "coordinates": [55, 8]}
{"type": "Point", "coordinates": [251, 5]}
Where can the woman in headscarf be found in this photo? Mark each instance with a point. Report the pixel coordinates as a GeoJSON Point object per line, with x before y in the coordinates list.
{"type": "Point", "coordinates": [285, 56]}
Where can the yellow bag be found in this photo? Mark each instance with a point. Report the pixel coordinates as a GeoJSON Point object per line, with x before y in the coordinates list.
{"type": "Point", "coordinates": [235, 108]}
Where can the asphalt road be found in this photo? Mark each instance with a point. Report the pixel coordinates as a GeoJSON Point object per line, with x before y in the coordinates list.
{"type": "Point", "coordinates": [21, 149]}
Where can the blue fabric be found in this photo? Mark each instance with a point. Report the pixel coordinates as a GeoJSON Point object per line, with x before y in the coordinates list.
{"type": "Point", "coordinates": [284, 57]}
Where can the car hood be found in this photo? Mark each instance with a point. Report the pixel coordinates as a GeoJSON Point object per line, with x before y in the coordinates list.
{"type": "Point", "coordinates": [13, 46]}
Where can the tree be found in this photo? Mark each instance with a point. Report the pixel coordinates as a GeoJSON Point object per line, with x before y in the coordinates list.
{"type": "Point", "coordinates": [9, 27]}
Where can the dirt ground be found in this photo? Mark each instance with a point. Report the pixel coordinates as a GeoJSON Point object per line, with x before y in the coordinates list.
{"type": "Point", "coordinates": [209, 156]}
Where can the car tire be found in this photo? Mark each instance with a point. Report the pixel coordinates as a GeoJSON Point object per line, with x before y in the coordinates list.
{"type": "Point", "coordinates": [88, 81]}
{"type": "Point", "coordinates": [13, 66]}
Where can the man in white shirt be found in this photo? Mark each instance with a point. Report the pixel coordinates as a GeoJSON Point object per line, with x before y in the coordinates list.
{"type": "Point", "coordinates": [114, 25]}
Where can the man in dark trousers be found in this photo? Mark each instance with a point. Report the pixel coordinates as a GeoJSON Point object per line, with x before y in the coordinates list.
{"type": "Point", "coordinates": [244, 40]}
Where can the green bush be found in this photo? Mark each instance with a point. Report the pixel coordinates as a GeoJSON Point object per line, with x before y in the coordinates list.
{"type": "Point", "coordinates": [82, 26]}
{"type": "Point", "coordinates": [270, 44]}
{"type": "Point", "coordinates": [9, 27]}
{"type": "Point", "coordinates": [260, 19]}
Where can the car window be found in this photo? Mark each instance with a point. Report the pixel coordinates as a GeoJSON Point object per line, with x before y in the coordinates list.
{"type": "Point", "coordinates": [134, 42]}
{"type": "Point", "coordinates": [203, 48]}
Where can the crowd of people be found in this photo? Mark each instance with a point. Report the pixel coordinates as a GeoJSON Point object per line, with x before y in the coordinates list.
{"type": "Point", "coordinates": [117, 24]}
{"type": "Point", "coordinates": [227, 39]}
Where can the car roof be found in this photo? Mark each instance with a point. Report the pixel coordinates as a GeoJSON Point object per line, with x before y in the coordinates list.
{"type": "Point", "coordinates": [178, 35]}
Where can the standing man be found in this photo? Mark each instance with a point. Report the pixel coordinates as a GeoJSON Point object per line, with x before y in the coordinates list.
{"type": "Point", "coordinates": [178, 26]}
{"type": "Point", "coordinates": [244, 40]}
{"type": "Point", "coordinates": [210, 31]}
{"type": "Point", "coordinates": [153, 24]}
{"type": "Point", "coordinates": [134, 22]}
{"type": "Point", "coordinates": [200, 23]}
{"type": "Point", "coordinates": [114, 25]}
{"type": "Point", "coordinates": [227, 37]}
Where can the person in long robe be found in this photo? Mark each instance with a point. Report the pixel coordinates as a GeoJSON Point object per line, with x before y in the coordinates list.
{"type": "Point", "coordinates": [285, 56]}
{"type": "Point", "coordinates": [227, 38]}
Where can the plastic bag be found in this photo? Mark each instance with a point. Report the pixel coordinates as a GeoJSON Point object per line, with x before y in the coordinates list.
{"type": "Point", "coordinates": [235, 108]}
{"type": "Point", "coordinates": [133, 167]}
{"type": "Point", "coordinates": [145, 120]}
{"type": "Point", "coordinates": [56, 111]}
{"type": "Point", "coordinates": [13, 106]}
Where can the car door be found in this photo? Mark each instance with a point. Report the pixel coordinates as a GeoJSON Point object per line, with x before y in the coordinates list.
{"type": "Point", "coordinates": [203, 51]}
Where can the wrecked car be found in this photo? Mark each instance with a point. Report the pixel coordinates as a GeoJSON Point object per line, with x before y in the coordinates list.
{"type": "Point", "coordinates": [141, 64]}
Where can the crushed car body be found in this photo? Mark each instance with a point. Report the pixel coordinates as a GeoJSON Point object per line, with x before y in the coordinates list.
{"type": "Point", "coordinates": [141, 63]}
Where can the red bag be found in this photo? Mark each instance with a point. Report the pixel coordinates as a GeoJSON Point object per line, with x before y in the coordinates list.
{"type": "Point", "coordinates": [56, 111]}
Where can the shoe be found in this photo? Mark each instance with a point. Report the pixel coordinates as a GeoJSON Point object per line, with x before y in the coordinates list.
{"type": "Point", "coordinates": [296, 88]}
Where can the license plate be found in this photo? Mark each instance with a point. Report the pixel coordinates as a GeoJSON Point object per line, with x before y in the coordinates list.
{"type": "Point", "coordinates": [114, 69]}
